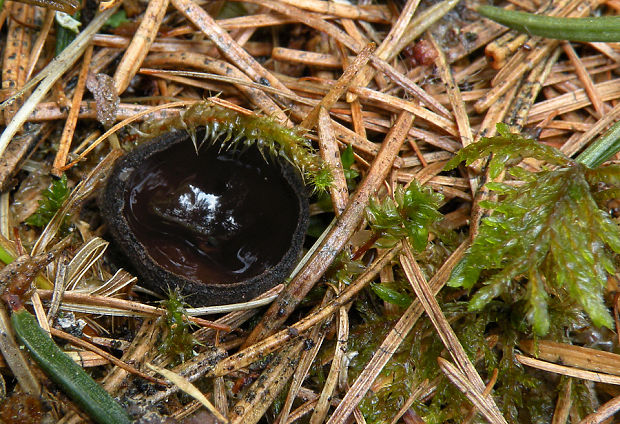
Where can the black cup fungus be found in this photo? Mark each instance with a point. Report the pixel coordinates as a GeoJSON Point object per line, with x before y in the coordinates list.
{"type": "Point", "coordinates": [222, 226]}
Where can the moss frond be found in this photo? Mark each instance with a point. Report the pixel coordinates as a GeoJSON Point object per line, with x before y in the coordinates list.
{"type": "Point", "coordinates": [411, 213]}
{"type": "Point", "coordinates": [179, 341]}
{"type": "Point", "coordinates": [53, 198]}
{"type": "Point", "coordinates": [549, 235]}
{"type": "Point", "coordinates": [507, 148]}
{"type": "Point", "coordinates": [322, 179]}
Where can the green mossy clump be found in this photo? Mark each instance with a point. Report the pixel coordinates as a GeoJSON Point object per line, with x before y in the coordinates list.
{"type": "Point", "coordinates": [179, 341]}
{"type": "Point", "coordinates": [411, 213]}
{"type": "Point", "coordinates": [490, 338]}
{"type": "Point", "coordinates": [52, 199]}
{"type": "Point", "coordinates": [546, 237]}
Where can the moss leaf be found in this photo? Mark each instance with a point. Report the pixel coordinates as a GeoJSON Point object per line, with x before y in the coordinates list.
{"type": "Point", "coordinates": [506, 147]}
{"type": "Point", "coordinates": [53, 198]}
{"type": "Point", "coordinates": [549, 237]}
{"type": "Point", "coordinates": [411, 213]}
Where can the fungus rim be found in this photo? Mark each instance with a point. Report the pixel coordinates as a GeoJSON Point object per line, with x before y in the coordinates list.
{"type": "Point", "coordinates": [153, 276]}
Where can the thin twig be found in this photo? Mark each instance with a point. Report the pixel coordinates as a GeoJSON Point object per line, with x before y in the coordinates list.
{"type": "Point", "coordinates": [338, 236]}
{"type": "Point", "coordinates": [84, 344]}
{"type": "Point", "coordinates": [140, 44]}
{"type": "Point", "coordinates": [50, 75]}
{"type": "Point", "coordinates": [69, 129]}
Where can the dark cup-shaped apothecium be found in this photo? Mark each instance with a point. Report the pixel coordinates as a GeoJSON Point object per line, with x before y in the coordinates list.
{"type": "Point", "coordinates": [222, 226]}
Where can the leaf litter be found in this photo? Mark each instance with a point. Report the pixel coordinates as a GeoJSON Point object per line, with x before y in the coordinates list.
{"type": "Point", "coordinates": [524, 267]}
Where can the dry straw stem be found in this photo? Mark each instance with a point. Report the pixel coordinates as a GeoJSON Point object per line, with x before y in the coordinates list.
{"type": "Point", "coordinates": [323, 403]}
{"type": "Point", "coordinates": [607, 50]}
{"type": "Point", "coordinates": [267, 345]}
{"type": "Point", "coordinates": [574, 356]}
{"type": "Point", "coordinates": [427, 298]}
{"type": "Point", "coordinates": [115, 382]}
{"type": "Point", "coordinates": [496, 113]}
{"type": "Point", "coordinates": [317, 335]}
{"type": "Point", "coordinates": [16, 53]}
{"type": "Point", "coordinates": [568, 371]}
{"type": "Point", "coordinates": [370, 13]}
{"type": "Point", "coordinates": [241, 81]}
{"type": "Point", "coordinates": [528, 92]}
{"type": "Point", "coordinates": [254, 21]}
{"type": "Point", "coordinates": [392, 341]}
{"type": "Point", "coordinates": [231, 49]}
{"type": "Point", "coordinates": [50, 111]}
{"type": "Point", "coordinates": [487, 391]}
{"type": "Point", "coordinates": [517, 72]}
{"type": "Point", "coordinates": [485, 30]}
{"type": "Point", "coordinates": [340, 87]}
{"type": "Point", "coordinates": [165, 45]}
{"type": "Point", "coordinates": [415, 395]}
{"type": "Point", "coordinates": [395, 103]}
{"type": "Point", "coordinates": [78, 195]}
{"type": "Point", "coordinates": [87, 299]}
{"type": "Point", "coordinates": [69, 129]}
{"type": "Point", "coordinates": [262, 393]}
{"type": "Point", "coordinates": [564, 403]}
{"type": "Point", "coordinates": [328, 147]}
{"type": "Point", "coordinates": [420, 23]}
{"type": "Point", "coordinates": [318, 23]}
{"type": "Point", "coordinates": [37, 47]}
{"type": "Point", "coordinates": [191, 370]}
{"type": "Point", "coordinates": [220, 399]}
{"type": "Point", "coordinates": [135, 354]}
{"type": "Point", "coordinates": [389, 43]}
{"type": "Point", "coordinates": [335, 240]}
{"type": "Point", "coordinates": [111, 358]}
{"type": "Point", "coordinates": [573, 100]}
{"type": "Point", "coordinates": [384, 101]}
{"type": "Point", "coordinates": [456, 101]}
{"type": "Point", "coordinates": [18, 149]}
{"type": "Point", "coordinates": [319, 60]}
{"type": "Point", "coordinates": [237, 314]}
{"type": "Point", "coordinates": [50, 75]}
{"type": "Point", "coordinates": [254, 92]}
{"type": "Point", "coordinates": [570, 148]}
{"type": "Point", "coordinates": [585, 79]}
{"type": "Point", "coordinates": [470, 390]}
{"type": "Point", "coordinates": [188, 410]}
{"type": "Point", "coordinates": [4, 13]}
{"type": "Point", "coordinates": [501, 49]}
{"type": "Point", "coordinates": [140, 44]}
{"type": "Point", "coordinates": [134, 117]}
{"type": "Point", "coordinates": [543, 50]}
{"type": "Point", "coordinates": [604, 412]}
{"type": "Point", "coordinates": [190, 389]}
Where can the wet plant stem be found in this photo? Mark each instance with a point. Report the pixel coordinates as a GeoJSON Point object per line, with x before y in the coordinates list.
{"type": "Point", "coordinates": [366, 246]}
{"type": "Point", "coordinates": [590, 29]}
{"type": "Point", "coordinates": [602, 149]}
{"type": "Point", "coordinates": [91, 397]}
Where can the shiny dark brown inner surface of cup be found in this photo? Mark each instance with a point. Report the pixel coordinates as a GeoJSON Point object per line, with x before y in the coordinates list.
{"type": "Point", "coordinates": [214, 216]}
{"type": "Point", "coordinates": [222, 226]}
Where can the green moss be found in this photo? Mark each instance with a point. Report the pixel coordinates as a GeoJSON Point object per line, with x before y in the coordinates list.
{"type": "Point", "coordinates": [547, 236]}
{"type": "Point", "coordinates": [489, 337]}
{"type": "Point", "coordinates": [411, 213]}
{"type": "Point", "coordinates": [52, 199]}
{"type": "Point", "coordinates": [179, 341]}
